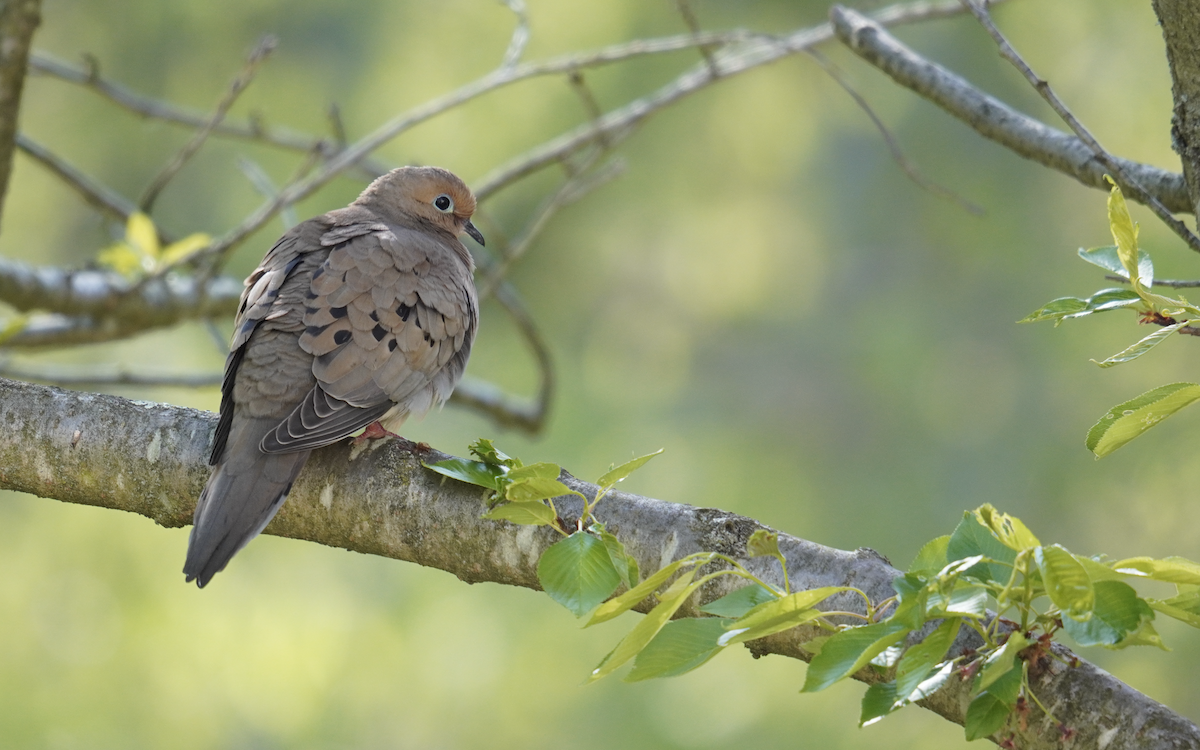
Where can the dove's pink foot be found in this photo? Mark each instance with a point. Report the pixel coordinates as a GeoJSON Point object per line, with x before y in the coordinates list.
{"type": "Point", "coordinates": [375, 431]}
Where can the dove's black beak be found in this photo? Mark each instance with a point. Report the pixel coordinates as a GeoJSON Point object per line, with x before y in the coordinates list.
{"type": "Point", "coordinates": [476, 235]}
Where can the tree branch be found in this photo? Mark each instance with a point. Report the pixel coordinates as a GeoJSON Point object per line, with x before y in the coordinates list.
{"type": "Point", "coordinates": [150, 459]}
{"type": "Point", "coordinates": [994, 119]}
{"type": "Point", "coordinates": [99, 196]}
{"type": "Point", "coordinates": [1042, 86]}
{"type": "Point", "coordinates": [1181, 31]}
{"type": "Point", "coordinates": [18, 20]}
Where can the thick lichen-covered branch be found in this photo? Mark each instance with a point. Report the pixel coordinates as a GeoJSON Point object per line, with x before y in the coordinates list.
{"type": "Point", "coordinates": [150, 459]}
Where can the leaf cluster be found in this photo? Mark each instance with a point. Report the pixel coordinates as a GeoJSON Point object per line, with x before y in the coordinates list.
{"type": "Point", "coordinates": [1126, 421]}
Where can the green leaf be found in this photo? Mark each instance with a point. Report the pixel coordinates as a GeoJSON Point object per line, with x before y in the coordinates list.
{"type": "Point", "coordinates": [1002, 660]}
{"type": "Point", "coordinates": [939, 676]}
{"type": "Point", "coordinates": [1126, 421]}
{"type": "Point", "coordinates": [141, 234]}
{"type": "Point", "coordinates": [528, 513]}
{"type": "Point", "coordinates": [985, 716]}
{"type": "Point", "coordinates": [1183, 615]}
{"type": "Point", "coordinates": [971, 538]}
{"type": "Point", "coordinates": [536, 488]}
{"type": "Point", "coordinates": [649, 626]}
{"type": "Point", "coordinates": [1067, 308]}
{"type": "Point", "coordinates": [633, 596]}
{"type": "Point", "coordinates": [1169, 569]}
{"type": "Point", "coordinates": [849, 651]}
{"type": "Point", "coordinates": [1106, 258]}
{"type": "Point", "coordinates": [471, 472]}
{"type": "Point", "coordinates": [540, 470]}
{"type": "Point", "coordinates": [1124, 232]}
{"type": "Point", "coordinates": [913, 595]}
{"type": "Point", "coordinates": [488, 453]}
{"type": "Point", "coordinates": [577, 573]}
{"type": "Point", "coordinates": [178, 251]}
{"type": "Point", "coordinates": [1146, 635]}
{"type": "Point", "coordinates": [1143, 346]}
{"type": "Point", "coordinates": [914, 667]}
{"type": "Point", "coordinates": [877, 702]}
{"type": "Point", "coordinates": [739, 602]}
{"type": "Point", "coordinates": [622, 561]}
{"type": "Point", "coordinates": [779, 614]}
{"type": "Point", "coordinates": [123, 259]}
{"type": "Point", "coordinates": [1098, 571]}
{"type": "Point", "coordinates": [931, 558]}
{"type": "Point", "coordinates": [1011, 532]}
{"type": "Point", "coordinates": [619, 473]}
{"type": "Point", "coordinates": [763, 543]}
{"type": "Point", "coordinates": [965, 599]}
{"type": "Point", "coordinates": [1118, 612]}
{"type": "Point", "coordinates": [681, 646]}
{"type": "Point", "coordinates": [1067, 582]}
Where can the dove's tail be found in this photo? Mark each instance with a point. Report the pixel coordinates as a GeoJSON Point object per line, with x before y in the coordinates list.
{"type": "Point", "coordinates": [242, 496]}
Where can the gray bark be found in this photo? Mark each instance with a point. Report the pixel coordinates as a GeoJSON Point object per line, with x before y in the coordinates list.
{"type": "Point", "coordinates": [150, 459]}
{"type": "Point", "coordinates": [1180, 20]}
{"type": "Point", "coordinates": [18, 20]}
{"type": "Point", "coordinates": [995, 120]}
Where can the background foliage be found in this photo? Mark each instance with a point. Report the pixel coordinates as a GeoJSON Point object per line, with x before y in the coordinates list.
{"type": "Point", "coordinates": [816, 343]}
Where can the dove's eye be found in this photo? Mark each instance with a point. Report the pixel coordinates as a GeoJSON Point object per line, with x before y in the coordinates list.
{"type": "Point", "coordinates": [443, 203]}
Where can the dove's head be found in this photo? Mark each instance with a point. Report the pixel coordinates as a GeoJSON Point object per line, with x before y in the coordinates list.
{"type": "Point", "coordinates": [426, 195]}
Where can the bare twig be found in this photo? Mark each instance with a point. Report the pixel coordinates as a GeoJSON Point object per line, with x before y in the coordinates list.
{"type": "Point", "coordinates": [994, 119]}
{"type": "Point", "coordinates": [89, 77]}
{"type": "Point", "coordinates": [18, 21]}
{"type": "Point", "coordinates": [337, 126]}
{"type": "Point", "coordinates": [262, 183]}
{"type": "Point", "coordinates": [689, 19]}
{"type": "Point", "coordinates": [893, 146]}
{"type": "Point", "coordinates": [753, 50]}
{"type": "Point", "coordinates": [1008, 52]}
{"type": "Point", "coordinates": [520, 35]}
{"type": "Point", "coordinates": [112, 307]}
{"type": "Point", "coordinates": [258, 56]}
{"type": "Point", "coordinates": [476, 395]}
{"type": "Point", "coordinates": [1170, 283]}
{"type": "Point", "coordinates": [108, 376]}
{"type": "Point", "coordinates": [572, 189]}
{"type": "Point", "coordinates": [101, 197]}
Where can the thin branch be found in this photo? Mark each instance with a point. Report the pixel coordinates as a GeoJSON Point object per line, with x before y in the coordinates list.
{"type": "Point", "coordinates": [754, 50]}
{"type": "Point", "coordinates": [571, 190]}
{"type": "Point", "coordinates": [150, 459]}
{"type": "Point", "coordinates": [144, 106]}
{"type": "Point", "coordinates": [1171, 283]}
{"type": "Point", "coordinates": [104, 199]}
{"type": "Point", "coordinates": [750, 53]}
{"type": "Point", "coordinates": [893, 146]}
{"type": "Point", "coordinates": [257, 57]}
{"type": "Point", "coordinates": [103, 376]}
{"type": "Point", "coordinates": [18, 20]}
{"type": "Point", "coordinates": [1042, 86]}
{"type": "Point", "coordinates": [689, 19]}
{"type": "Point", "coordinates": [995, 120]}
{"type": "Point", "coordinates": [107, 306]}
{"type": "Point", "coordinates": [520, 35]}
{"type": "Point", "coordinates": [476, 395]}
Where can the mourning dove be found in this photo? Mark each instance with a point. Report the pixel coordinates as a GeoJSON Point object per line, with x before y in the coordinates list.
{"type": "Point", "coordinates": [364, 314]}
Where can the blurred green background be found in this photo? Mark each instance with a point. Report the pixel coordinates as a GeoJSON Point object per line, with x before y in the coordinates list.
{"type": "Point", "coordinates": [816, 342]}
